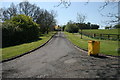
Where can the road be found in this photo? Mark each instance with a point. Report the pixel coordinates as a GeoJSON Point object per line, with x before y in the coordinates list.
{"type": "Point", "coordinates": [60, 59]}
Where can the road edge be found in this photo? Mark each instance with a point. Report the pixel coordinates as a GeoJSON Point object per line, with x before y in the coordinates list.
{"type": "Point", "coordinates": [9, 59]}
{"type": "Point", "coordinates": [86, 51]}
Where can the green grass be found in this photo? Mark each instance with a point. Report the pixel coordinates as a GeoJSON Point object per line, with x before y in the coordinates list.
{"type": "Point", "coordinates": [103, 31]}
{"type": "Point", "coordinates": [106, 46]}
{"type": "Point", "coordinates": [97, 33]}
{"type": "Point", "coordinates": [20, 49]}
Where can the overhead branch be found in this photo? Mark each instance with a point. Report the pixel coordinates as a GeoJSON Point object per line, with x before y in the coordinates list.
{"type": "Point", "coordinates": [66, 3]}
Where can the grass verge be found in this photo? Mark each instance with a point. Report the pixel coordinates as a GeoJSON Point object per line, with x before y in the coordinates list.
{"type": "Point", "coordinates": [106, 46]}
{"type": "Point", "coordinates": [13, 51]}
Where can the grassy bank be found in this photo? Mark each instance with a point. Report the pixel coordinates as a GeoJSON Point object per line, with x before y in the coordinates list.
{"type": "Point", "coordinates": [103, 31]}
{"type": "Point", "coordinates": [20, 49]}
{"type": "Point", "coordinates": [106, 46]}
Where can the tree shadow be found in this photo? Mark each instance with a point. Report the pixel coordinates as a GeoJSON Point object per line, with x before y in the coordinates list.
{"type": "Point", "coordinates": [19, 43]}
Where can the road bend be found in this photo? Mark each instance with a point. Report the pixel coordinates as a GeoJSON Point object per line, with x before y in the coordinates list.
{"type": "Point", "coordinates": [60, 59]}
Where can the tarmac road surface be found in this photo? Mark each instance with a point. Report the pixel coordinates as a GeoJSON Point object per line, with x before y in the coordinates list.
{"type": "Point", "coordinates": [60, 59]}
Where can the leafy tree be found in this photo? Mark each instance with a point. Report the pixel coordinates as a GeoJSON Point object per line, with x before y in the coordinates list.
{"type": "Point", "coordinates": [47, 20]}
{"type": "Point", "coordinates": [42, 17]}
{"type": "Point", "coordinates": [94, 26]}
{"type": "Point", "coordinates": [71, 28]}
{"type": "Point", "coordinates": [19, 29]}
{"type": "Point", "coordinates": [107, 27]}
{"type": "Point", "coordinates": [117, 26]}
{"type": "Point", "coordinates": [63, 28]}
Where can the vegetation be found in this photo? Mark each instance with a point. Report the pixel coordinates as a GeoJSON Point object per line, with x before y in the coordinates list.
{"type": "Point", "coordinates": [40, 16]}
{"type": "Point", "coordinates": [103, 31]}
{"type": "Point", "coordinates": [87, 26]}
{"type": "Point", "coordinates": [105, 45]}
{"type": "Point", "coordinates": [12, 51]}
{"type": "Point", "coordinates": [46, 20]}
{"type": "Point", "coordinates": [23, 22]}
{"type": "Point", "coordinates": [111, 34]}
{"type": "Point", "coordinates": [72, 28]}
{"type": "Point", "coordinates": [117, 26]}
{"type": "Point", "coordinates": [19, 29]}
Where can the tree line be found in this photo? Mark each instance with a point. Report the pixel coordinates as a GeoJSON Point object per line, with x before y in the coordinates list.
{"type": "Point", "coordinates": [117, 26]}
{"type": "Point", "coordinates": [24, 22]}
{"type": "Point", "coordinates": [74, 27]}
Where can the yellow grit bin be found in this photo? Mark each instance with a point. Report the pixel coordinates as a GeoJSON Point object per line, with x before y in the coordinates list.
{"type": "Point", "coordinates": [93, 47]}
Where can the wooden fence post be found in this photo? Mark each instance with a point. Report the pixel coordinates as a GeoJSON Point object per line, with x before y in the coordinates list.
{"type": "Point", "coordinates": [118, 36]}
{"type": "Point", "coordinates": [94, 35]}
{"type": "Point", "coordinates": [108, 36]}
{"type": "Point", "coordinates": [100, 35]}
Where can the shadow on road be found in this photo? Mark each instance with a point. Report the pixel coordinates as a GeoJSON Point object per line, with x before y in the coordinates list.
{"type": "Point", "coordinates": [99, 56]}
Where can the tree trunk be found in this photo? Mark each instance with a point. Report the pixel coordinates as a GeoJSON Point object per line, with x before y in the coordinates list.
{"type": "Point", "coordinates": [81, 33]}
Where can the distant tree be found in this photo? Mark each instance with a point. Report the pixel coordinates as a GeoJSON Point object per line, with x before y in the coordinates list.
{"type": "Point", "coordinates": [89, 25]}
{"type": "Point", "coordinates": [117, 26]}
{"type": "Point", "coordinates": [47, 20]}
{"type": "Point", "coordinates": [115, 17]}
{"type": "Point", "coordinates": [80, 19]}
{"type": "Point", "coordinates": [63, 28]}
{"type": "Point", "coordinates": [107, 27]}
{"type": "Point", "coordinates": [71, 28]}
{"type": "Point", "coordinates": [94, 26]}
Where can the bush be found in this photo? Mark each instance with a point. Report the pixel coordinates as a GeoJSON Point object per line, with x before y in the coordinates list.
{"type": "Point", "coordinates": [19, 29]}
{"type": "Point", "coordinates": [71, 28]}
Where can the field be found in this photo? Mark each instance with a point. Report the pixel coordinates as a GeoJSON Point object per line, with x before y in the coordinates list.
{"type": "Point", "coordinates": [111, 34]}
{"type": "Point", "coordinates": [20, 49]}
{"type": "Point", "coordinates": [103, 31]}
{"type": "Point", "coordinates": [106, 46]}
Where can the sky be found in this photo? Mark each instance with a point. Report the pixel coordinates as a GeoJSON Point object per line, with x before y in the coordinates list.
{"type": "Point", "coordinates": [91, 10]}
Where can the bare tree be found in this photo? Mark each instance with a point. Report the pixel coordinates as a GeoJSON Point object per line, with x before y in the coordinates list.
{"type": "Point", "coordinates": [29, 9]}
{"type": "Point", "coordinates": [8, 13]}
{"type": "Point", "coordinates": [80, 19]}
{"type": "Point", "coordinates": [22, 8]}
{"type": "Point", "coordinates": [65, 3]}
{"type": "Point", "coordinates": [114, 17]}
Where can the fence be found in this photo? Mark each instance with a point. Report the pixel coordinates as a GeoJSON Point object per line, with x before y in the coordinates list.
{"type": "Point", "coordinates": [103, 36]}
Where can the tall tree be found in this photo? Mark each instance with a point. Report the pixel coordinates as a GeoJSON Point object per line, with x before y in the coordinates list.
{"type": "Point", "coordinates": [80, 19]}
{"type": "Point", "coordinates": [8, 13]}
{"type": "Point", "coordinates": [46, 20]}
{"type": "Point", "coordinates": [29, 9]}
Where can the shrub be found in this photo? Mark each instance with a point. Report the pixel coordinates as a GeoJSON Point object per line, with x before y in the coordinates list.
{"type": "Point", "coordinates": [71, 28]}
{"type": "Point", "coordinates": [19, 29]}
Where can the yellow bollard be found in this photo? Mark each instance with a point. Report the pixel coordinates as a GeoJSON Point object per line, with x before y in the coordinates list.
{"type": "Point", "coordinates": [93, 47]}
